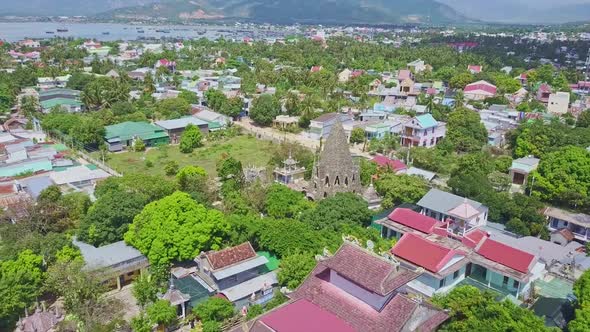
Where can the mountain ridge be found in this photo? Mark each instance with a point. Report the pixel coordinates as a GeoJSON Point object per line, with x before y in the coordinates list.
{"type": "Point", "coordinates": [297, 11]}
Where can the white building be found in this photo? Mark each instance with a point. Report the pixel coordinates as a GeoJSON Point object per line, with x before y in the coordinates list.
{"type": "Point", "coordinates": [558, 103]}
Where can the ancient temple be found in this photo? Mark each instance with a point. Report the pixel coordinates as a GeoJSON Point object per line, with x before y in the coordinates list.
{"type": "Point", "coordinates": [335, 172]}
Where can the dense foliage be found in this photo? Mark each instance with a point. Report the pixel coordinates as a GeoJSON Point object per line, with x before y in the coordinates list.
{"type": "Point", "coordinates": [176, 227]}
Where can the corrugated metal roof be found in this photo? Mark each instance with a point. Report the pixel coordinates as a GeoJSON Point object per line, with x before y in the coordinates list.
{"type": "Point", "coordinates": [180, 123]}
{"type": "Point", "coordinates": [442, 201]}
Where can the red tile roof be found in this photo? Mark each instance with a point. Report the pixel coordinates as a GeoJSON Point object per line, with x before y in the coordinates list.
{"type": "Point", "coordinates": [414, 220]}
{"type": "Point", "coordinates": [508, 256]}
{"type": "Point", "coordinates": [422, 252]}
{"type": "Point", "coordinates": [481, 85]}
{"type": "Point", "coordinates": [361, 316]}
{"type": "Point", "coordinates": [230, 256]}
{"type": "Point", "coordinates": [474, 68]}
{"type": "Point", "coordinates": [395, 165]}
{"type": "Point", "coordinates": [371, 272]}
{"type": "Point", "coordinates": [473, 238]}
{"type": "Point", "coordinates": [303, 315]}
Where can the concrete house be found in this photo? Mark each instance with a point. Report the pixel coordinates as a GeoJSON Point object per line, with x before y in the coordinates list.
{"type": "Point", "coordinates": [521, 168]}
{"type": "Point", "coordinates": [577, 223]}
{"type": "Point", "coordinates": [479, 90]}
{"type": "Point", "coordinates": [442, 205]}
{"type": "Point", "coordinates": [558, 103]}
{"type": "Point", "coordinates": [238, 273]}
{"type": "Point", "coordinates": [321, 126]}
{"type": "Point", "coordinates": [451, 259]}
{"type": "Point", "coordinates": [422, 130]}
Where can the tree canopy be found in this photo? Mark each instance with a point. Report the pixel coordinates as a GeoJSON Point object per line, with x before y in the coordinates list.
{"type": "Point", "coordinates": [471, 310]}
{"type": "Point", "coordinates": [465, 132]}
{"type": "Point", "coordinates": [176, 227]}
{"type": "Point", "coordinates": [264, 109]}
{"type": "Point", "coordinates": [563, 177]}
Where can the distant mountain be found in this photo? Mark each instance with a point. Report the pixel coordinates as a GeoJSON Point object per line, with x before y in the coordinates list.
{"type": "Point", "coordinates": [523, 11]}
{"type": "Point", "coordinates": [65, 7]}
{"type": "Point", "coordinates": [297, 11]}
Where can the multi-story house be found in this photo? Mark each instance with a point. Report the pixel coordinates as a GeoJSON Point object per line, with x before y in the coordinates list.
{"type": "Point", "coordinates": [423, 130]}
{"type": "Point", "coordinates": [238, 273]}
{"type": "Point", "coordinates": [452, 258]}
{"type": "Point", "coordinates": [577, 223]}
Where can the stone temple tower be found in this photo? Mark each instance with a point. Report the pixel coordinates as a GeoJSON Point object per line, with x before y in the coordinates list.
{"type": "Point", "coordinates": [335, 172]}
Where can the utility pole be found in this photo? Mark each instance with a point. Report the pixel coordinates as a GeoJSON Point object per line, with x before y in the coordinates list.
{"type": "Point", "coordinates": [532, 185]}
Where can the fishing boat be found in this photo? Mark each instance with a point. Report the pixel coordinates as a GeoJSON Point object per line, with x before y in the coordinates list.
{"type": "Point", "coordinates": [140, 31]}
{"type": "Point", "coordinates": [106, 33]}
{"type": "Point", "coordinates": [49, 32]}
{"type": "Point", "coordinates": [63, 29]}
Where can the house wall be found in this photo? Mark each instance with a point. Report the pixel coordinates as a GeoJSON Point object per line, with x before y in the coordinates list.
{"type": "Point", "coordinates": [429, 285]}
{"type": "Point", "coordinates": [559, 239]}
{"type": "Point", "coordinates": [370, 298]}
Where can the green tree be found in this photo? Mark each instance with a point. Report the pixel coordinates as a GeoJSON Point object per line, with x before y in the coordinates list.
{"type": "Point", "coordinates": [215, 99]}
{"type": "Point", "coordinates": [459, 81]}
{"type": "Point", "coordinates": [584, 119]}
{"type": "Point", "coordinates": [465, 132]}
{"type": "Point", "coordinates": [20, 284]}
{"type": "Point", "coordinates": [109, 217]}
{"type": "Point", "coordinates": [211, 326]}
{"type": "Point", "coordinates": [264, 109]}
{"type": "Point", "coordinates": [337, 211]}
{"type": "Point", "coordinates": [171, 168]}
{"type": "Point", "coordinates": [176, 228]}
{"type": "Point", "coordinates": [138, 145]}
{"type": "Point", "coordinates": [189, 96]}
{"type": "Point", "coordinates": [563, 177]}
{"type": "Point", "coordinates": [83, 295]}
{"type": "Point", "coordinates": [214, 309]}
{"type": "Point", "coordinates": [88, 132]}
{"type": "Point", "coordinates": [357, 135]}
{"type": "Point", "coordinates": [232, 107]}
{"type": "Point", "coordinates": [191, 138]}
{"type": "Point", "coordinates": [145, 290]}
{"type": "Point", "coordinates": [282, 202]}
{"type": "Point", "coordinates": [294, 269]}
{"type": "Point", "coordinates": [470, 311]}
{"type": "Point", "coordinates": [397, 189]}
{"type": "Point", "coordinates": [141, 323]}
{"type": "Point", "coordinates": [254, 311]}
{"type": "Point", "coordinates": [172, 108]}
{"type": "Point", "coordinates": [162, 313]}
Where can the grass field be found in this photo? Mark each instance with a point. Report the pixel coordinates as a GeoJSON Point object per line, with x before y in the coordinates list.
{"type": "Point", "coordinates": [246, 149]}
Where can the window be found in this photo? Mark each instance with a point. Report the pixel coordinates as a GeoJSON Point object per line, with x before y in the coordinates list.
{"type": "Point", "coordinates": [442, 283]}
{"type": "Point", "coordinates": [327, 182]}
{"type": "Point", "coordinates": [337, 181]}
{"type": "Point", "coordinates": [554, 223]}
{"type": "Point", "coordinates": [505, 281]}
{"type": "Point", "coordinates": [456, 275]}
{"type": "Point", "coordinates": [515, 284]}
{"type": "Point", "coordinates": [433, 130]}
{"type": "Point", "coordinates": [346, 181]}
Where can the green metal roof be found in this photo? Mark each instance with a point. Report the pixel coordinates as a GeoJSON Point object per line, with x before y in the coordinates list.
{"type": "Point", "coordinates": [273, 261]}
{"type": "Point", "coordinates": [60, 101]}
{"type": "Point", "coordinates": [127, 130]}
{"type": "Point", "coordinates": [192, 288]}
